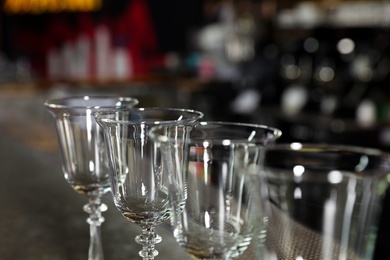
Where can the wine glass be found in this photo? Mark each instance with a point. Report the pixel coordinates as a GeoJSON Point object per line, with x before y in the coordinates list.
{"type": "Point", "coordinates": [325, 200]}
{"type": "Point", "coordinates": [84, 155]}
{"type": "Point", "coordinates": [210, 169]}
{"type": "Point", "coordinates": [139, 185]}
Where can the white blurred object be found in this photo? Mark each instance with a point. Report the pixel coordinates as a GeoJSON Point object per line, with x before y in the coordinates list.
{"type": "Point", "coordinates": [211, 38]}
{"type": "Point", "coordinates": [361, 68]}
{"type": "Point", "coordinates": [294, 98]}
{"type": "Point", "coordinates": [366, 113]}
{"type": "Point", "coordinates": [246, 102]}
{"type": "Point", "coordinates": [122, 64]}
{"type": "Point", "coordinates": [304, 14]}
{"type": "Point", "coordinates": [308, 14]}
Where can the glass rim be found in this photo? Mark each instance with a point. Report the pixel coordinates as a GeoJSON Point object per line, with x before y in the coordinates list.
{"type": "Point", "coordinates": [99, 115]}
{"type": "Point", "coordinates": [318, 147]}
{"type": "Point", "coordinates": [57, 103]}
{"type": "Point", "coordinates": [276, 133]}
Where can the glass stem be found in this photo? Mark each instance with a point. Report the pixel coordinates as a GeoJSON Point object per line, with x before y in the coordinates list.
{"type": "Point", "coordinates": [148, 239]}
{"type": "Point", "coordinates": [95, 208]}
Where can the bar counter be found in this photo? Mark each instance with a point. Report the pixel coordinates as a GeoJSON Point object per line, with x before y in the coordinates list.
{"type": "Point", "coordinates": [41, 216]}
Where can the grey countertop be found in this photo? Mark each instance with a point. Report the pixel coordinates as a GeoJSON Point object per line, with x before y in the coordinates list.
{"type": "Point", "coordinates": [41, 216]}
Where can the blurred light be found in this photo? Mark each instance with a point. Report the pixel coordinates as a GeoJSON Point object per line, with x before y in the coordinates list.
{"type": "Point", "coordinates": [296, 146]}
{"type": "Point", "coordinates": [144, 190]}
{"type": "Point", "coordinates": [297, 193]}
{"type": "Point", "coordinates": [207, 221]}
{"type": "Point", "coordinates": [366, 113]}
{"type": "Point", "coordinates": [335, 177]}
{"type": "Point", "coordinates": [42, 6]}
{"type": "Point", "coordinates": [326, 74]}
{"type": "Point", "coordinates": [298, 170]}
{"type": "Point", "coordinates": [294, 99]}
{"type": "Point", "coordinates": [226, 142]}
{"type": "Point", "coordinates": [345, 46]}
{"type": "Point", "coordinates": [363, 163]}
{"type": "Point", "coordinates": [91, 166]}
{"type": "Point", "coordinates": [292, 71]}
{"type": "Point", "coordinates": [246, 102]}
{"type": "Point", "coordinates": [311, 45]}
{"type": "Point", "coordinates": [252, 135]}
{"type": "Point", "coordinates": [365, 74]}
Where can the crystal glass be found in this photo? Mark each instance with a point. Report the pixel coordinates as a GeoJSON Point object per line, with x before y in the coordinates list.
{"type": "Point", "coordinates": [325, 200]}
{"type": "Point", "coordinates": [210, 169]}
{"type": "Point", "coordinates": [84, 155]}
{"type": "Point", "coordinates": [139, 185]}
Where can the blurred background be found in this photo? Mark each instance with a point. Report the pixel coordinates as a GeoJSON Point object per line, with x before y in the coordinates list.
{"type": "Point", "coordinates": [319, 69]}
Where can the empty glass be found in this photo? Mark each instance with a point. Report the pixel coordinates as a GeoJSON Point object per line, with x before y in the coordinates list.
{"type": "Point", "coordinates": [210, 169]}
{"type": "Point", "coordinates": [139, 184]}
{"type": "Point", "coordinates": [324, 200]}
{"type": "Point", "coordinates": [84, 155]}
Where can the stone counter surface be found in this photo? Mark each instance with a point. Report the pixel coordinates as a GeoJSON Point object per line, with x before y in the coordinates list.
{"type": "Point", "coordinates": [41, 216]}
